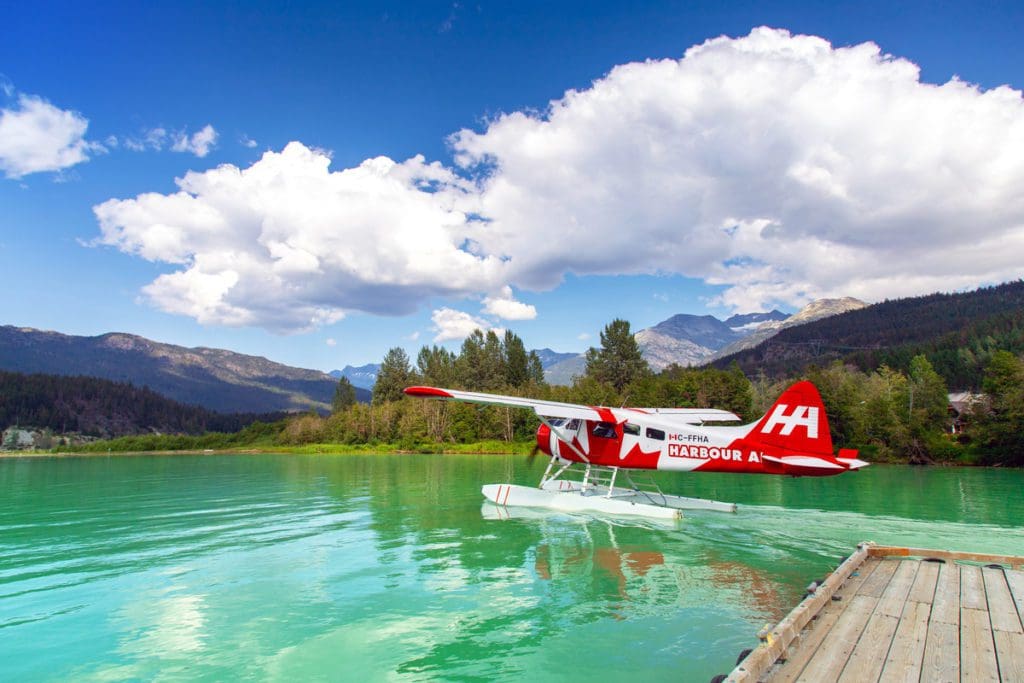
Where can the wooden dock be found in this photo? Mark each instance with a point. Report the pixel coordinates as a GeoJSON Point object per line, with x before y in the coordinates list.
{"type": "Point", "coordinates": [900, 614]}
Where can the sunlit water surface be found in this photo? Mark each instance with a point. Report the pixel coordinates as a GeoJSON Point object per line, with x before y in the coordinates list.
{"type": "Point", "coordinates": [284, 567]}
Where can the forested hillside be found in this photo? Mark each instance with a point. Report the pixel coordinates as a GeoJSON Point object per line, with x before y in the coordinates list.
{"type": "Point", "coordinates": [958, 333]}
{"type": "Point", "coordinates": [216, 379]}
{"type": "Point", "coordinates": [888, 414]}
{"type": "Point", "coordinates": [99, 407]}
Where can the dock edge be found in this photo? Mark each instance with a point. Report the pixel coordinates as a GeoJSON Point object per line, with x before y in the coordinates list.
{"type": "Point", "coordinates": [776, 642]}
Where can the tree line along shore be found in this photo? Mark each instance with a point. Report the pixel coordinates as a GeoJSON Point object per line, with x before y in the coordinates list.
{"type": "Point", "coordinates": [899, 415]}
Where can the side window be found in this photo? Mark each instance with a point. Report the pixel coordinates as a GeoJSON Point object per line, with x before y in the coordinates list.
{"type": "Point", "coordinates": [572, 425]}
{"type": "Point", "coordinates": [604, 430]}
{"type": "Point", "coordinates": [655, 434]}
{"type": "Point", "coordinates": [631, 429]}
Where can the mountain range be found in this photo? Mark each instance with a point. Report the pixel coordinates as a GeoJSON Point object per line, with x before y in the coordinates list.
{"type": "Point", "coordinates": [216, 379]}
{"type": "Point", "coordinates": [365, 376]}
{"type": "Point", "coordinates": [361, 377]}
{"type": "Point", "coordinates": [683, 339]}
{"type": "Point", "coordinates": [958, 332]}
{"type": "Point", "coordinates": [816, 310]}
{"type": "Point", "coordinates": [686, 339]}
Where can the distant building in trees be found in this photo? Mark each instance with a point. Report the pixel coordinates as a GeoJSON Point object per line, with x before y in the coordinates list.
{"type": "Point", "coordinates": [961, 405]}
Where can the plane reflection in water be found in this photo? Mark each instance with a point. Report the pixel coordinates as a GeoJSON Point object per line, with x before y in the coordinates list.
{"type": "Point", "coordinates": [587, 553]}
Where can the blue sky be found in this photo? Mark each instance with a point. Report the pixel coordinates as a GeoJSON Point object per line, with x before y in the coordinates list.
{"type": "Point", "coordinates": [765, 168]}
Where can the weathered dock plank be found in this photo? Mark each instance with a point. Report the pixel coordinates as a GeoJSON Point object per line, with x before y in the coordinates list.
{"type": "Point", "coordinates": [946, 606]}
{"type": "Point", "coordinates": [1012, 561]}
{"type": "Point", "coordinates": [941, 662]}
{"type": "Point", "coordinates": [923, 589]}
{"type": "Point", "coordinates": [831, 657]}
{"type": "Point", "coordinates": [977, 650]}
{"type": "Point", "coordinates": [868, 657]}
{"type": "Point", "coordinates": [802, 649]}
{"type": "Point", "coordinates": [879, 579]}
{"type": "Point", "coordinates": [1002, 611]}
{"type": "Point", "coordinates": [895, 594]}
{"type": "Point", "coordinates": [1010, 654]}
{"type": "Point", "coordinates": [903, 662]}
{"type": "Point", "coordinates": [972, 588]}
{"type": "Point", "coordinates": [1015, 580]}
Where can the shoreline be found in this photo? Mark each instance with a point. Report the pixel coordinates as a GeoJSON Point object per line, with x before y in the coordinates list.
{"type": "Point", "coordinates": [486, 448]}
{"type": "Point", "coordinates": [319, 449]}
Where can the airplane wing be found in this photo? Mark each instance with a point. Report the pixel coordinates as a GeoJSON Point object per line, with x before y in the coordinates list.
{"type": "Point", "coordinates": [542, 408]}
{"type": "Point", "coordinates": [573, 411]}
{"type": "Point", "coordinates": [691, 415]}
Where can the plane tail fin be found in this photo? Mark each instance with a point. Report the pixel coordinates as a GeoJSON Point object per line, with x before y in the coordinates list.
{"type": "Point", "coordinates": [794, 436]}
{"type": "Point", "coordinates": [796, 422]}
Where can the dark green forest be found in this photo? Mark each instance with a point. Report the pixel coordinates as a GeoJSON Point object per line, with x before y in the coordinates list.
{"type": "Point", "coordinates": [889, 414]}
{"type": "Point", "coordinates": [102, 408]}
{"type": "Point", "coordinates": [884, 373]}
{"type": "Point", "coordinates": [958, 333]}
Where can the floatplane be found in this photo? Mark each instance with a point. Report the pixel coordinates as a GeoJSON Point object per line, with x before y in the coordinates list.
{"type": "Point", "coordinates": [597, 453]}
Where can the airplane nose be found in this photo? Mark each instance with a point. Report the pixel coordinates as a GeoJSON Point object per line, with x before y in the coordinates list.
{"type": "Point", "coordinates": [544, 439]}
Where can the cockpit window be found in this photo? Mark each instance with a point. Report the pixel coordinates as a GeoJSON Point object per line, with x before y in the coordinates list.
{"type": "Point", "coordinates": [556, 421]}
{"type": "Point", "coordinates": [572, 425]}
{"type": "Point", "coordinates": [604, 430]}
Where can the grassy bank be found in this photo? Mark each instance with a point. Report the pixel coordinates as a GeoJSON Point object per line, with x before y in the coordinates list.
{"type": "Point", "coordinates": [490, 446]}
{"type": "Point", "coordinates": [206, 445]}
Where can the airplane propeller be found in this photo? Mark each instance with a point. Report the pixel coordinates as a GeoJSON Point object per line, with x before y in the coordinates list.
{"type": "Point", "coordinates": [533, 454]}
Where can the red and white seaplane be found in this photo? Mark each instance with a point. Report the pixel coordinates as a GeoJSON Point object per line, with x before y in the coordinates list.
{"type": "Point", "coordinates": [603, 446]}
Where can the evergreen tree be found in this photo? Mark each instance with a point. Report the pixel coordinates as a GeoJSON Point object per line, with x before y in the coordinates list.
{"type": "Point", "coordinates": [469, 364]}
{"type": "Point", "coordinates": [436, 366]}
{"type": "Point", "coordinates": [344, 395]}
{"type": "Point", "coordinates": [394, 376]}
{"type": "Point", "coordinates": [517, 363]}
{"type": "Point", "coordinates": [999, 429]}
{"type": "Point", "coordinates": [535, 369]}
{"type": "Point", "coordinates": [618, 362]}
{"type": "Point", "coordinates": [928, 407]}
{"type": "Point", "coordinates": [493, 370]}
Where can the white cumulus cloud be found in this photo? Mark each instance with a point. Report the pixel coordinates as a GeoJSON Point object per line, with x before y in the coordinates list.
{"type": "Point", "coordinates": [504, 305]}
{"type": "Point", "coordinates": [453, 325]}
{"type": "Point", "coordinates": [288, 244]}
{"type": "Point", "coordinates": [199, 143]}
{"type": "Point", "coordinates": [36, 136]}
{"type": "Point", "coordinates": [157, 139]}
{"type": "Point", "coordinates": [778, 165]}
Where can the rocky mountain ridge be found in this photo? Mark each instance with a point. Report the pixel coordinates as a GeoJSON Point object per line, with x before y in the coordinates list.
{"type": "Point", "coordinates": [361, 377]}
{"type": "Point", "coordinates": [687, 339]}
{"type": "Point", "coordinates": [816, 310]}
{"type": "Point", "coordinates": [216, 379]}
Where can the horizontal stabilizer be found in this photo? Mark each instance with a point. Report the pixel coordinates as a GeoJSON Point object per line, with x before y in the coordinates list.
{"type": "Point", "coordinates": [848, 457]}
{"type": "Point", "coordinates": [806, 465]}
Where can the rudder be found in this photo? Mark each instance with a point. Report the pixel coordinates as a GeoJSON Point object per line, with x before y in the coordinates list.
{"type": "Point", "coordinates": [795, 423]}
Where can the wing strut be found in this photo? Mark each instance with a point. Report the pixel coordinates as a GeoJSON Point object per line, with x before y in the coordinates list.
{"type": "Point", "coordinates": [563, 437]}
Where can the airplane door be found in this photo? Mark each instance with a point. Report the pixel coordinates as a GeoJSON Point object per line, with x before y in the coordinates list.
{"type": "Point", "coordinates": [571, 430]}
{"type": "Point", "coordinates": [652, 439]}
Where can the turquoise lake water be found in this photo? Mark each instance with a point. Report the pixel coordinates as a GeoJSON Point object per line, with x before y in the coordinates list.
{"type": "Point", "coordinates": [391, 568]}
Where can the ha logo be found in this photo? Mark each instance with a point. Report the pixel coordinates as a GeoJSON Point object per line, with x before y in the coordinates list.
{"type": "Point", "coordinates": [802, 416]}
